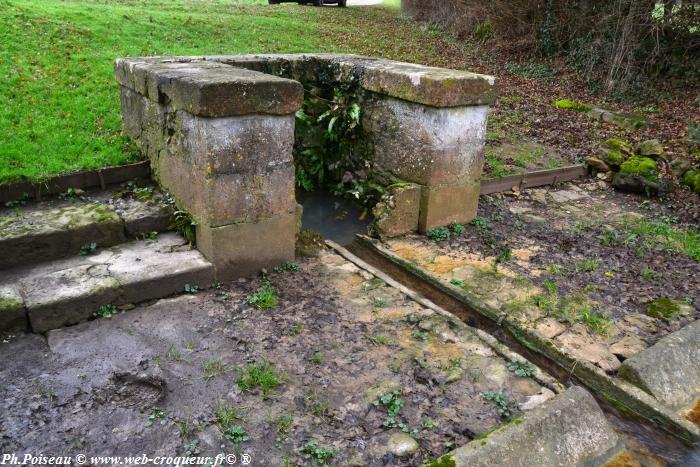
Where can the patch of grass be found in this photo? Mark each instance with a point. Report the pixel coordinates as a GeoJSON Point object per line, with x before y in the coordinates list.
{"type": "Point", "coordinates": [226, 414]}
{"type": "Point", "coordinates": [213, 367]}
{"type": "Point", "coordinates": [174, 354]}
{"type": "Point", "coordinates": [421, 336]}
{"type": "Point", "coordinates": [379, 302]}
{"type": "Point", "coordinates": [316, 454]}
{"type": "Point", "coordinates": [663, 235]}
{"type": "Point", "coordinates": [378, 339]}
{"type": "Point", "coordinates": [648, 274]}
{"type": "Point", "coordinates": [265, 297]}
{"type": "Point", "coordinates": [540, 71]}
{"type": "Point", "coordinates": [587, 265]}
{"type": "Point", "coordinates": [261, 375]}
{"type": "Point", "coordinates": [283, 423]}
{"type": "Point", "coordinates": [318, 358]}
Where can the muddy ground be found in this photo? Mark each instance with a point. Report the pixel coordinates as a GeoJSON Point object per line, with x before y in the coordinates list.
{"type": "Point", "coordinates": [175, 377]}
{"type": "Point", "coordinates": [605, 273]}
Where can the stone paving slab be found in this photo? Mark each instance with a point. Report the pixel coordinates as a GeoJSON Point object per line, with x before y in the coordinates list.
{"type": "Point", "coordinates": [341, 338]}
{"type": "Point", "coordinates": [568, 430]}
{"type": "Point", "coordinates": [670, 369]}
{"type": "Point", "coordinates": [69, 291]}
{"type": "Point", "coordinates": [59, 228]}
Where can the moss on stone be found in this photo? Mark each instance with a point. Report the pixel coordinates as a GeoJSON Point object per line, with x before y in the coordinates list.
{"type": "Point", "coordinates": [692, 180]}
{"type": "Point", "coordinates": [567, 104]}
{"type": "Point", "coordinates": [613, 157]}
{"type": "Point", "coordinates": [618, 145]}
{"type": "Point", "coordinates": [309, 243]}
{"type": "Point", "coordinates": [639, 165]}
{"type": "Point", "coordinates": [664, 308]}
{"type": "Point", "coordinates": [444, 461]}
{"type": "Point", "coordinates": [9, 303]}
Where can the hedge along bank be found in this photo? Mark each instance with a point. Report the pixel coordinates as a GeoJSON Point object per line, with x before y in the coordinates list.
{"type": "Point", "coordinates": [219, 132]}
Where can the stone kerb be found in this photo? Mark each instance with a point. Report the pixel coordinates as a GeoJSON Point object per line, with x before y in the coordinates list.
{"type": "Point", "coordinates": [219, 132]}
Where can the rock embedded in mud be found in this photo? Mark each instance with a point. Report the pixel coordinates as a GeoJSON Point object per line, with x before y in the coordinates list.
{"type": "Point", "coordinates": [627, 347]}
{"type": "Point", "coordinates": [598, 164]}
{"type": "Point", "coordinates": [402, 444]}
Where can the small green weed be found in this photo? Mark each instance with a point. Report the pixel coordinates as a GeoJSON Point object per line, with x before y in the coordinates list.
{"type": "Point", "coordinates": [457, 228]}
{"type": "Point", "coordinates": [191, 289]}
{"type": "Point", "coordinates": [378, 340]}
{"type": "Point", "coordinates": [649, 274]}
{"type": "Point", "coordinates": [316, 454]}
{"type": "Point", "coordinates": [458, 282]}
{"type": "Point", "coordinates": [318, 357]}
{"type": "Point", "coordinates": [392, 401]}
{"type": "Point", "coordinates": [236, 434]}
{"type": "Point", "coordinates": [439, 234]}
{"type": "Point", "coordinates": [289, 266]}
{"type": "Point", "coordinates": [153, 415]}
{"type": "Point", "coordinates": [587, 265]}
{"type": "Point", "coordinates": [421, 336]}
{"type": "Point", "coordinates": [504, 407]}
{"type": "Point", "coordinates": [261, 375]}
{"type": "Point", "coordinates": [226, 414]}
{"type": "Point", "coordinates": [522, 369]}
{"type": "Point", "coordinates": [174, 354]}
{"type": "Point", "coordinates": [106, 311]}
{"type": "Point", "coordinates": [283, 423]}
{"type": "Point", "coordinates": [21, 201]}
{"type": "Point", "coordinates": [265, 297]}
{"type": "Point", "coordinates": [213, 367]}
{"type": "Point", "coordinates": [88, 249]}
{"type": "Point", "coordinates": [183, 223]}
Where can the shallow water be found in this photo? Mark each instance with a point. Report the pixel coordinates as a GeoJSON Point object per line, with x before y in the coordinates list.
{"type": "Point", "coordinates": [334, 218]}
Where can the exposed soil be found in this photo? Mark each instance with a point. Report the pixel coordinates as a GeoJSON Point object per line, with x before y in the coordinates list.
{"type": "Point", "coordinates": [581, 241]}
{"type": "Point", "coordinates": [150, 380]}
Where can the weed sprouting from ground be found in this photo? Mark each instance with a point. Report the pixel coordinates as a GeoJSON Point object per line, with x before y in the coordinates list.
{"type": "Point", "coordinates": [587, 265]}
{"type": "Point", "coordinates": [288, 266]}
{"type": "Point", "coordinates": [154, 415]}
{"type": "Point", "coordinates": [265, 297]}
{"type": "Point", "coordinates": [191, 289]}
{"type": "Point", "coordinates": [439, 234]}
{"type": "Point", "coordinates": [522, 369]}
{"type": "Point", "coordinates": [504, 407]}
{"type": "Point", "coordinates": [213, 367]}
{"type": "Point", "coordinates": [261, 375]}
{"type": "Point", "coordinates": [88, 249]}
{"type": "Point", "coordinates": [378, 339]}
{"type": "Point", "coordinates": [226, 414]}
{"type": "Point", "coordinates": [106, 311]}
{"type": "Point", "coordinates": [316, 454]}
{"type": "Point", "coordinates": [183, 223]}
{"type": "Point", "coordinates": [236, 434]}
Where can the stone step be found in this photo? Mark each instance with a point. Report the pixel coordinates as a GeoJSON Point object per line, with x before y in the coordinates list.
{"type": "Point", "coordinates": [59, 293]}
{"type": "Point", "coordinates": [60, 228]}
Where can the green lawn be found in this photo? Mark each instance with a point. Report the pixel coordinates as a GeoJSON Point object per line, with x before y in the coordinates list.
{"type": "Point", "coordinates": [60, 107]}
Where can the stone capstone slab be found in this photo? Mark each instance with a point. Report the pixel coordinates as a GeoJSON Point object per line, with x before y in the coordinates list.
{"type": "Point", "coordinates": [567, 430]}
{"type": "Point", "coordinates": [12, 314]}
{"type": "Point", "coordinates": [670, 369]}
{"type": "Point", "coordinates": [72, 290]}
{"type": "Point", "coordinates": [209, 89]}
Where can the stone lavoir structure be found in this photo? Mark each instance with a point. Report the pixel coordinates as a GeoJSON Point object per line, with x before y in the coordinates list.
{"type": "Point", "coordinates": [219, 132]}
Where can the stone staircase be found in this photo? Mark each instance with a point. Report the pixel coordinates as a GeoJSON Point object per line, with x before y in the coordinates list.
{"type": "Point", "coordinates": [62, 260]}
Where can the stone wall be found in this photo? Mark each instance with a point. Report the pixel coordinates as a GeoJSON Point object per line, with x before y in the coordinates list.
{"type": "Point", "coordinates": [219, 133]}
